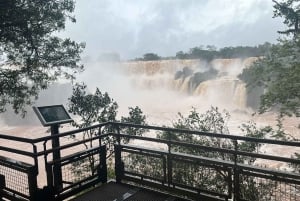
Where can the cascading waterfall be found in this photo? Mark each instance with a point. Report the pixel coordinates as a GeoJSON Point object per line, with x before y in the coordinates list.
{"type": "Point", "coordinates": [184, 76]}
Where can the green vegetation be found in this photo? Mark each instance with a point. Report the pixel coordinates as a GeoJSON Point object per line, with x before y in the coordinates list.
{"type": "Point", "coordinates": [279, 71]}
{"type": "Point", "coordinates": [289, 10]}
{"type": "Point", "coordinates": [149, 57]}
{"type": "Point", "coordinates": [94, 108]}
{"type": "Point", "coordinates": [31, 56]}
{"type": "Point", "coordinates": [209, 52]}
{"type": "Point", "coordinates": [211, 179]}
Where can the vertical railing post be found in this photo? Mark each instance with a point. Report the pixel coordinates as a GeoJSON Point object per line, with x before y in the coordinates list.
{"type": "Point", "coordinates": [56, 157]}
{"type": "Point", "coordinates": [230, 183]}
{"type": "Point", "coordinates": [236, 176]}
{"type": "Point", "coordinates": [119, 165]}
{"type": "Point", "coordinates": [48, 167]}
{"type": "Point", "coordinates": [169, 160]}
{"type": "Point", "coordinates": [2, 185]}
{"type": "Point", "coordinates": [102, 174]}
{"type": "Point", "coordinates": [32, 183]}
{"type": "Point", "coordinates": [32, 176]}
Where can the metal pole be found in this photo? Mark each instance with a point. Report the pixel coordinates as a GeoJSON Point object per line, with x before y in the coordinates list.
{"type": "Point", "coordinates": [56, 158]}
{"type": "Point", "coordinates": [236, 174]}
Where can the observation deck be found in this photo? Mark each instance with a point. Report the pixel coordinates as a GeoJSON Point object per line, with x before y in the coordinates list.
{"type": "Point", "coordinates": [113, 161]}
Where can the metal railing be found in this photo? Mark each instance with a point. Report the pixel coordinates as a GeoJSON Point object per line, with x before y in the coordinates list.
{"type": "Point", "coordinates": [194, 170]}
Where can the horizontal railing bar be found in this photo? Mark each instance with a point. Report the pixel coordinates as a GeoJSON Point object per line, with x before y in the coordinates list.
{"type": "Point", "coordinates": [68, 145]}
{"type": "Point", "coordinates": [10, 194]}
{"type": "Point", "coordinates": [208, 192]}
{"type": "Point", "coordinates": [136, 137]}
{"type": "Point", "coordinates": [139, 152]}
{"type": "Point", "coordinates": [16, 151]}
{"type": "Point", "coordinates": [233, 137]}
{"type": "Point", "coordinates": [283, 178]}
{"type": "Point", "coordinates": [197, 162]}
{"type": "Point", "coordinates": [144, 176]}
{"type": "Point", "coordinates": [268, 157]}
{"type": "Point", "coordinates": [268, 171]}
{"type": "Point", "coordinates": [191, 145]}
{"type": "Point", "coordinates": [15, 138]}
{"type": "Point", "coordinates": [143, 149]}
{"type": "Point", "coordinates": [18, 165]}
{"type": "Point", "coordinates": [202, 159]}
{"type": "Point", "coordinates": [216, 149]}
{"type": "Point", "coordinates": [231, 164]}
{"type": "Point", "coordinates": [221, 150]}
{"type": "Point", "coordinates": [81, 154]}
{"type": "Point", "coordinates": [63, 134]}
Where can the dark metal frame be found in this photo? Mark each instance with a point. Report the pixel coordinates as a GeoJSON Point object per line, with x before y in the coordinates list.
{"type": "Point", "coordinates": [46, 123]}
{"type": "Point", "coordinates": [59, 190]}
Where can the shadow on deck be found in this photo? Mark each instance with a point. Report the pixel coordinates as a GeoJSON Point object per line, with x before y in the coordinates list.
{"type": "Point", "coordinates": [121, 192]}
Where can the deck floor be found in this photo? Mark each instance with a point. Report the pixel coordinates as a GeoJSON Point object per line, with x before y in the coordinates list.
{"type": "Point", "coordinates": [121, 192]}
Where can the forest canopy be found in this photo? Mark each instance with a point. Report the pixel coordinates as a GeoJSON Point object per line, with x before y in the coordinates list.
{"type": "Point", "coordinates": [31, 55]}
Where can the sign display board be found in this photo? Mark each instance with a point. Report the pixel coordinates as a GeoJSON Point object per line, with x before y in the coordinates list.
{"type": "Point", "coordinates": [52, 115]}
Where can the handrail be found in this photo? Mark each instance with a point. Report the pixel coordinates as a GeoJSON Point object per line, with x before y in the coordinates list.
{"type": "Point", "coordinates": [168, 129]}
{"type": "Point", "coordinates": [209, 134]}
{"type": "Point", "coordinates": [116, 132]}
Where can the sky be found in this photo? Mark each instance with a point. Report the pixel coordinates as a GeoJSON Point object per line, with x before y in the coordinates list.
{"type": "Point", "coordinates": [132, 28]}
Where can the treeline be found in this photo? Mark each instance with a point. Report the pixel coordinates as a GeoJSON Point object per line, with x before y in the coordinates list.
{"type": "Point", "coordinates": [210, 52]}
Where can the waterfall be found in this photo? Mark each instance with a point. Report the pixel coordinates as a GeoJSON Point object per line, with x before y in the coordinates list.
{"type": "Point", "coordinates": [181, 76]}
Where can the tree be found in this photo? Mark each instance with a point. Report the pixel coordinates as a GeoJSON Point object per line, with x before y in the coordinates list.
{"type": "Point", "coordinates": [136, 116]}
{"type": "Point", "coordinates": [214, 179]}
{"type": "Point", "coordinates": [181, 55]}
{"type": "Point", "coordinates": [150, 57]}
{"type": "Point", "coordinates": [99, 107]}
{"type": "Point", "coordinates": [279, 71]}
{"type": "Point", "coordinates": [91, 108]}
{"type": "Point", "coordinates": [290, 10]}
{"type": "Point", "coordinates": [31, 56]}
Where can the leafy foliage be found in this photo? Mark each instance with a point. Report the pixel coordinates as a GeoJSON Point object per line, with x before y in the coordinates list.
{"type": "Point", "coordinates": [91, 108]}
{"type": "Point", "coordinates": [213, 178]}
{"type": "Point", "coordinates": [290, 11]}
{"type": "Point", "coordinates": [209, 53]}
{"type": "Point", "coordinates": [150, 57]}
{"type": "Point", "coordinates": [279, 71]}
{"type": "Point", "coordinates": [136, 116]}
{"type": "Point", "coordinates": [279, 74]}
{"type": "Point", "coordinates": [99, 108]}
{"type": "Point", "coordinates": [31, 56]}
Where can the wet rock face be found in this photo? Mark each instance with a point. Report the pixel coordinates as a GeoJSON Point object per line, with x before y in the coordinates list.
{"type": "Point", "coordinates": [185, 72]}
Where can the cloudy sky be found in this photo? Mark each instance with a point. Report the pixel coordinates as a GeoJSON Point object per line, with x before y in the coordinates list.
{"type": "Point", "coordinates": [135, 27]}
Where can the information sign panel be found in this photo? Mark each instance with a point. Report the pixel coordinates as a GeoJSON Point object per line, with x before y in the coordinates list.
{"type": "Point", "coordinates": [52, 115]}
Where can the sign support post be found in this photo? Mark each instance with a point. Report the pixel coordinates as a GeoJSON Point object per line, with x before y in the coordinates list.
{"type": "Point", "coordinates": [57, 173]}
{"type": "Point", "coordinates": [53, 116]}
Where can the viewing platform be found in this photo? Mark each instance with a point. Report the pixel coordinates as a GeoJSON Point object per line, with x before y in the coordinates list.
{"type": "Point", "coordinates": [111, 161]}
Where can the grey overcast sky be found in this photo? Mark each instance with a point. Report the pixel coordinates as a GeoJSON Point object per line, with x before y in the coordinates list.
{"type": "Point", "coordinates": [135, 27]}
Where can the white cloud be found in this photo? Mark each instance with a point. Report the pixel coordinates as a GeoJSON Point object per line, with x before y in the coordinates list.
{"type": "Point", "coordinates": [216, 13]}
{"type": "Point", "coordinates": [134, 27]}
